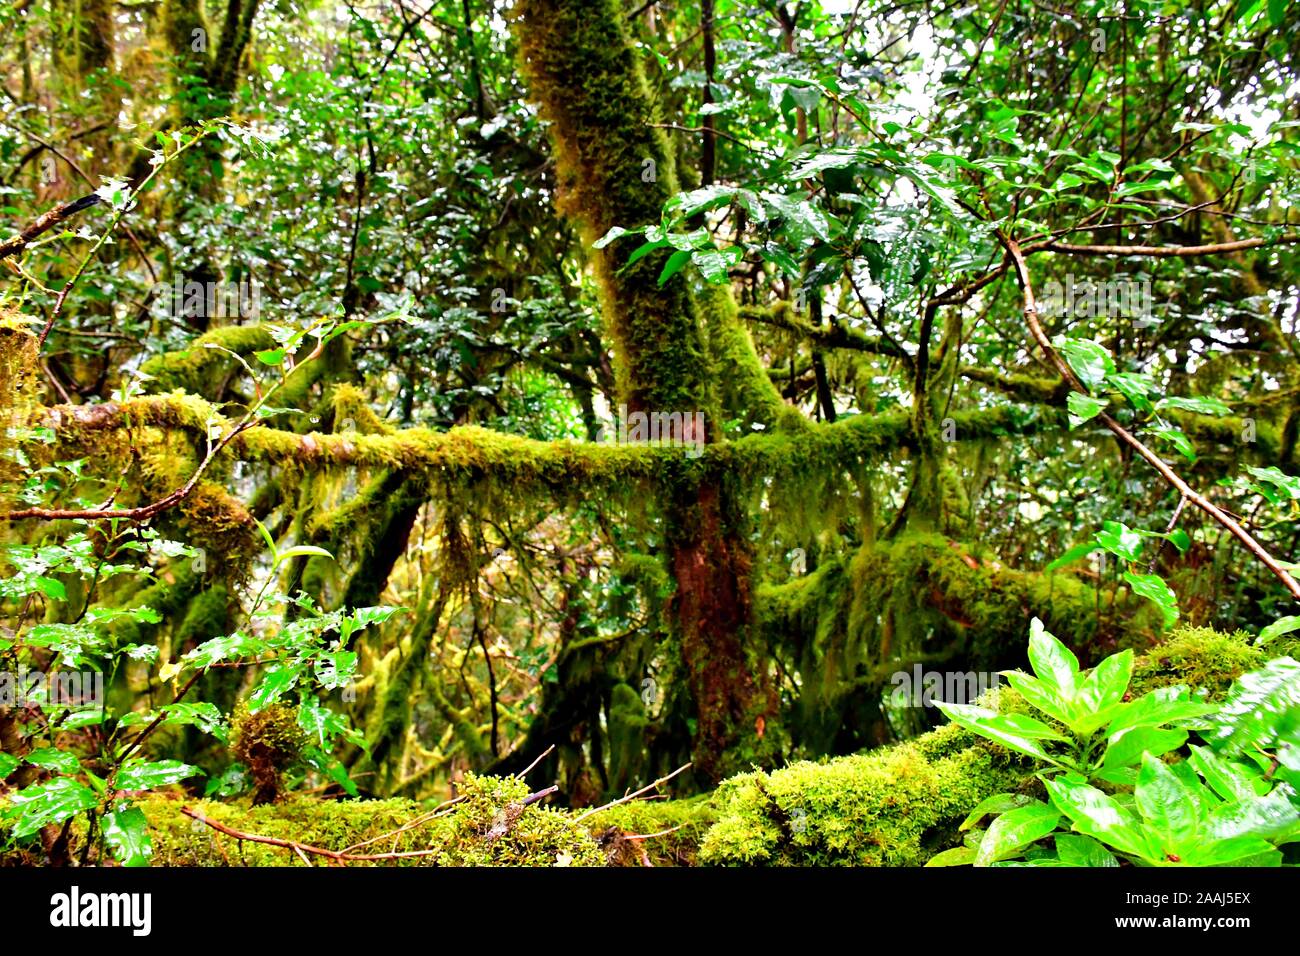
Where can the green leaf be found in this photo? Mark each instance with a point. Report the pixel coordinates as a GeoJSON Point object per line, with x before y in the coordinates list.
{"type": "Point", "coordinates": [1128, 747]}
{"type": "Point", "coordinates": [1106, 683]}
{"type": "Point", "coordinates": [7, 764]}
{"type": "Point", "coordinates": [644, 250]}
{"type": "Point", "coordinates": [1090, 361]}
{"type": "Point", "coordinates": [127, 833]}
{"type": "Point", "coordinates": [978, 720]}
{"type": "Point", "coordinates": [1283, 625]}
{"type": "Point", "coordinates": [1238, 851]}
{"type": "Point", "coordinates": [1160, 706]}
{"type": "Point", "coordinates": [1166, 804]}
{"type": "Point", "coordinates": [266, 536]}
{"type": "Point", "coordinates": [277, 680]}
{"type": "Point", "coordinates": [1154, 589]}
{"type": "Point", "coordinates": [1275, 816]}
{"type": "Point", "coordinates": [802, 220]}
{"type": "Point", "coordinates": [1178, 440]}
{"type": "Point", "coordinates": [46, 804]}
{"type": "Point", "coordinates": [674, 265]}
{"type": "Point", "coordinates": [1014, 830]}
{"type": "Point", "coordinates": [141, 775]}
{"type": "Point", "coordinates": [51, 588]}
{"type": "Point", "coordinates": [1120, 540]}
{"type": "Point", "coordinates": [271, 356]}
{"type": "Point", "coordinates": [997, 803]}
{"type": "Point", "coordinates": [222, 648]}
{"type": "Point", "coordinates": [1053, 662]}
{"type": "Point", "coordinates": [957, 856]}
{"type": "Point", "coordinates": [1074, 554]}
{"type": "Point", "coordinates": [1097, 815]}
{"type": "Point", "coordinates": [687, 204]}
{"type": "Point", "coordinates": [1135, 388]}
{"type": "Point", "coordinates": [1082, 408]}
{"type": "Point", "coordinates": [1226, 778]}
{"type": "Point", "coordinates": [714, 264]}
{"type": "Point", "coordinates": [52, 758]}
{"type": "Point", "coordinates": [302, 551]}
{"type": "Point", "coordinates": [204, 715]}
{"type": "Point", "coordinates": [615, 232]}
{"type": "Point", "coordinates": [1075, 850]}
{"type": "Point", "coordinates": [1288, 484]}
{"type": "Point", "coordinates": [1201, 405]}
{"type": "Point", "coordinates": [1039, 695]}
{"type": "Point", "coordinates": [1261, 706]}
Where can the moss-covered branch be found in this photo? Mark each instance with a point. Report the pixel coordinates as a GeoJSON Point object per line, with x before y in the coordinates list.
{"type": "Point", "coordinates": [472, 451]}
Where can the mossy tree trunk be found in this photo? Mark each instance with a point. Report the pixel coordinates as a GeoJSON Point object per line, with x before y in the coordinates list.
{"type": "Point", "coordinates": [615, 168]}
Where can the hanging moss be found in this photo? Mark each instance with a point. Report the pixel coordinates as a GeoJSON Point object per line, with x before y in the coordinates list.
{"type": "Point", "coordinates": [921, 599]}
{"type": "Point", "coordinates": [563, 469]}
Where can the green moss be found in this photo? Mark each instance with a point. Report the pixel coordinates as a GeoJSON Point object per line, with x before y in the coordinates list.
{"type": "Point", "coordinates": [672, 830]}
{"type": "Point", "coordinates": [201, 366]}
{"type": "Point", "coordinates": [492, 826]}
{"type": "Point", "coordinates": [614, 168]}
{"type": "Point", "coordinates": [1198, 657]}
{"type": "Point", "coordinates": [269, 742]}
{"type": "Point", "coordinates": [893, 807]}
{"type": "Point", "coordinates": [854, 621]}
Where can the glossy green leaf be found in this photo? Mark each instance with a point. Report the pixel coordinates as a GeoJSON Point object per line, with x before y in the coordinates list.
{"type": "Point", "coordinates": [1082, 408]}
{"type": "Point", "coordinates": [977, 719]}
{"type": "Point", "coordinates": [47, 804]}
{"type": "Point", "coordinates": [1053, 662]}
{"type": "Point", "coordinates": [997, 803]}
{"type": "Point", "coordinates": [1014, 830]}
{"type": "Point", "coordinates": [1097, 815]}
{"type": "Point", "coordinates": [957, 856]}
{"type": "Point", "coordinates": [1090, 361]}
{"type": "Point", "coordinates": [1075, 850]}
{"type": "Point", "coordinates": [1166, 803]}
{"type": "Point", "coordinates": [146, 775]}
{"type": "Point", "coordinates": [1154, 588]}
{"type": "Point", "coordinates": [127, 834]}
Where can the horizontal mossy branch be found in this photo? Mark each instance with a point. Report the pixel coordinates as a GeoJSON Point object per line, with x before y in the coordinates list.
{"type": "Point", "coordinates": [473, 452]}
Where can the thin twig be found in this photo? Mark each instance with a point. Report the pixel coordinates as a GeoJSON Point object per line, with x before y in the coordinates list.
{"type": "Point", "coordinates": [632, 796]}
{"type": "Point", "coordinates": [540, 757]}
